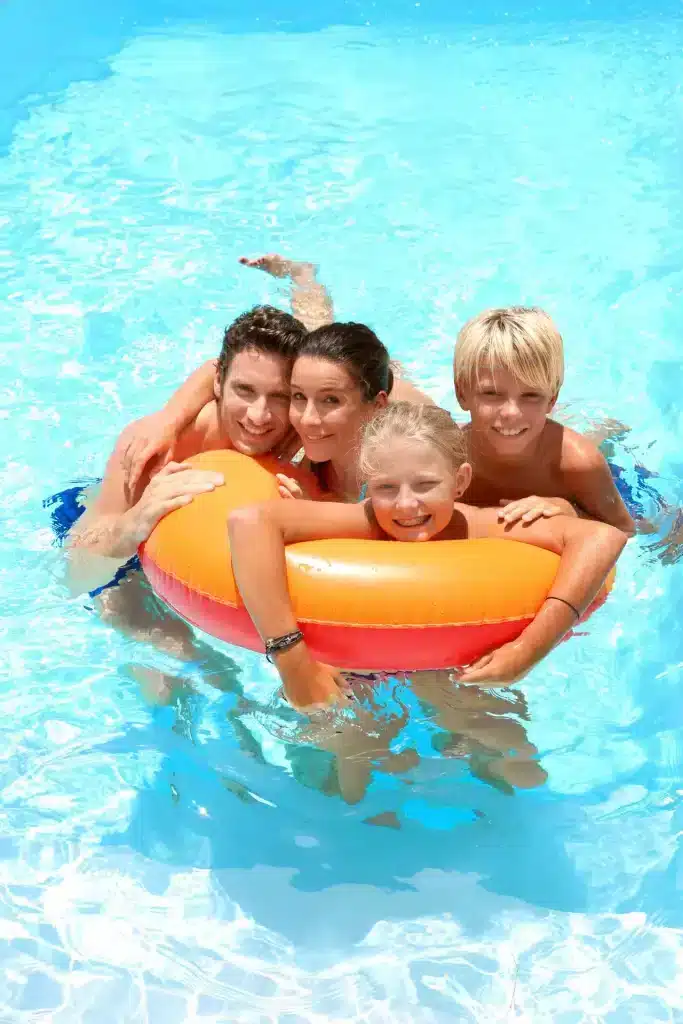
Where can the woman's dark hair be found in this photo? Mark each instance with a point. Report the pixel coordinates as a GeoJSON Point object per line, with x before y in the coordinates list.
{"type": "Point", "coordinates": [264, 329]}
{"type": "Point", "coordinates": [358, 350]}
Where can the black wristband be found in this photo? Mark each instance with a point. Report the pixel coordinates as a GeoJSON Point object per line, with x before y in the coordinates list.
{"type": "Point", "coordinates": [282, 643]}
{"type": "Point", "coordinates": [553, 597]}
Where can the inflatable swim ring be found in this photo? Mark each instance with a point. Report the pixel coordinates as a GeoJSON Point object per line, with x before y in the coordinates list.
{"type": "Point", "coordinates": [361, 604]}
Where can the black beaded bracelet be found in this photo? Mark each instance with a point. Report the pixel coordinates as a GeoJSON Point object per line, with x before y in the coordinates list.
{"type": "Point", "coordinates": [282, 643]}
{"type": "Point", "coordinates": [553, 597]}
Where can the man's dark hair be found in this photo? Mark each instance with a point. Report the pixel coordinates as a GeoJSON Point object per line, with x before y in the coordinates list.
{"type": "Point", "coordinates": [262, 329]}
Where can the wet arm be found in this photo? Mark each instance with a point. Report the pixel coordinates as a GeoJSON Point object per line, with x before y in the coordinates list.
{"type": "Point", "coordinates": [258, 535]}
{"type": "Point", "coordinates": [595, 493]}
{"type": "Point", "coordinates": [587, 550]}
{"type": "Point", "coordinates": [100, 543]}
{"type": "Point", "coordinates": [184, 404]}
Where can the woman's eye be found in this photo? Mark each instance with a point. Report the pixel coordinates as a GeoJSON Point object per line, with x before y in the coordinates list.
{"type": "Point", "coordinates": [332, 400]}
{"type": "Point", "coordinates": [296, 396]}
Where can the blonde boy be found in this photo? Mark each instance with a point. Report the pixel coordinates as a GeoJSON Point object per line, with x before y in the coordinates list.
{"type": "Point", "coordinates": [508, 369]}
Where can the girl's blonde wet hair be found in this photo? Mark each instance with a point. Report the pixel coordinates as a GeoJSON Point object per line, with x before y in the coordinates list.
{"type": "Point", "coordinates": [426, 424]}
{"type": "Point", "coordinates": [522, 340]}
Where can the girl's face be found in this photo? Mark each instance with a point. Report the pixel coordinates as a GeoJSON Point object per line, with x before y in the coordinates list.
{"type": "Point", "coordinates": [412, 489]}
{"type": "Point", "coordinates": [327, 408]}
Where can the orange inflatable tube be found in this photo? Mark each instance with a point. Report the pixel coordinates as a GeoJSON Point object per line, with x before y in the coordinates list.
{"type": "Point", "coordinates": [360, 604]}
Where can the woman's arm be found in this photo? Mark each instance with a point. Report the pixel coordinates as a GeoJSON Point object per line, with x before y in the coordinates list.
{"type": "Point", "coordinates": [587, 551]}
{"type": "Point", "coordinates": [156, 435]}
{"type": "Point", "coordinates": [258, 535]}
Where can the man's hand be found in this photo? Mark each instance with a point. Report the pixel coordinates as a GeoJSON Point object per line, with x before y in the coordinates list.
{"type": "Point", "coordinates": [528, 510]}
{"type": "Point", "coordinates": [174, 486]}
{"type": "Point", "coordinates": [150, 439]}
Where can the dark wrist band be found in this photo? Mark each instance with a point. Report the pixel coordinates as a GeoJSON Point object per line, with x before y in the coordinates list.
{"type": "Point", "coordinates": [282, 643]}
{"type": "Point", "coordinates": [552, 597]}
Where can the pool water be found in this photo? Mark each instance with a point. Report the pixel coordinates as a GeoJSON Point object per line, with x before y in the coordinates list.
{"type": "Point", "coordinates": [198, 861]}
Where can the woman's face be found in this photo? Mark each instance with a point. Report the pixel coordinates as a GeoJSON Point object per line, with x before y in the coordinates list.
{"type": "Point", "coordinates": [413, 487]}
{"type": "Point", "coordinates": [327, 409]}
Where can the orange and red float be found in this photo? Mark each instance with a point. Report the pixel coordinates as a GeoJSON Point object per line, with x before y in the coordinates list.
{"type": "Point", "coordinates": [363, 604]}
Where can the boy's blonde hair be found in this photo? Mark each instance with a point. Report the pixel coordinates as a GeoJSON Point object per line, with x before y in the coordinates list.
{"type": "Point", "coordinates": [426, 424]}
{"type": "Point", "coordinates": [522, 340]}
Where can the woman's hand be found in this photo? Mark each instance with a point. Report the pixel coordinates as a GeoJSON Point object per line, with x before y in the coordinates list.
{"type": "Point", "coordinates": [172, 487]}
{"type": "Point", "coordinates": [528, 510]}
{"type": "Point", "coordinates": [502, 667]}
{"type": "Point", "coordinates": [291, 488]}
{"type": "Point", "coordinates": [150, 439]}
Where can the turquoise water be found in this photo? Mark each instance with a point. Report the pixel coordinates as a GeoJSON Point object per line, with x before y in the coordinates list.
{"type": "Point", "coordinates": [196, 862]}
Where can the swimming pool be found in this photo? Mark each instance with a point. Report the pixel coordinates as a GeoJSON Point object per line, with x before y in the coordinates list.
{"type": "Point", "coordinates": [196, 862]}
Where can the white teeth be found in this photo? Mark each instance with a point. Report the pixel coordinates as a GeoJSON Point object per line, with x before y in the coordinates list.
{"type": "Point", "coordinates": [510, 433]}
{"type": "Point", "coordinates": [418, 521]}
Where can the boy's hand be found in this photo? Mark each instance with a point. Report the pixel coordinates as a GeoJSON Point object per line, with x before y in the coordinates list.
{"type": "Point", "coordinates": [151, 438]}
{"type": "Point", "coordinates": [502, 667]}
{"type": "Point", "coordinates": [528, 510]}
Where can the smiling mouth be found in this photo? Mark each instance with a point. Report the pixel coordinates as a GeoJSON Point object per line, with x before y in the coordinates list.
{"type": "Point", "coordinates": [516, 432]}
{"type": "Point", "coordinates": [255, 432]}
{"type": "Point", "coordinates": [408, 524]}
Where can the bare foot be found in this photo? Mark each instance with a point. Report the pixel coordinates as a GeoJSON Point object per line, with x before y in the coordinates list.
{"type": "Point", "coordinates": [279, 266]}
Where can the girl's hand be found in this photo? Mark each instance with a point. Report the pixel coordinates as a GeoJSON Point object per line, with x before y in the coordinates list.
{"type": "Point", "coordinates": [290, 488]}
{"type": "Point", "coordinates": [150, 439]}
{"type": "Point", "coordinates": [309, 685]}
{"type": "Point", "coordinates": [502, 667]}
{"type": "Point", "coordinates": [528, 510]}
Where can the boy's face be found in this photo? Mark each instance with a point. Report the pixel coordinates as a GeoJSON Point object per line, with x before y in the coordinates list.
{"type": "Point", "coordinates": [507, 415]}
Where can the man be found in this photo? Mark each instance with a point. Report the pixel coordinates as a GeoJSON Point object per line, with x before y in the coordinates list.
{"type": "Point", "coordinates": [249, 412]}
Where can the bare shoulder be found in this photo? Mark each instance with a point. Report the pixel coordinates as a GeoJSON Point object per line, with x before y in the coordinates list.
{"type": "Point", "coordinates": [578, 453]}
{"type": "Point", "coordinates": [403, 391]}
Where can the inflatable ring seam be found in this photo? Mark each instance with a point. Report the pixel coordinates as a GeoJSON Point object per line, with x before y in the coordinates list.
{"type": "Point", "coordinates": [361, 625]}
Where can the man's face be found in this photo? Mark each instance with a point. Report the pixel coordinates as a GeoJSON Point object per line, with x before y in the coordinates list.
{"type": "Point", "coordinates": [254, 403]}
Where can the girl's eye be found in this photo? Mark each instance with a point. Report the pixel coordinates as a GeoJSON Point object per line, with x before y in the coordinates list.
{"type": "Point", "coordinates": [489, 393]}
